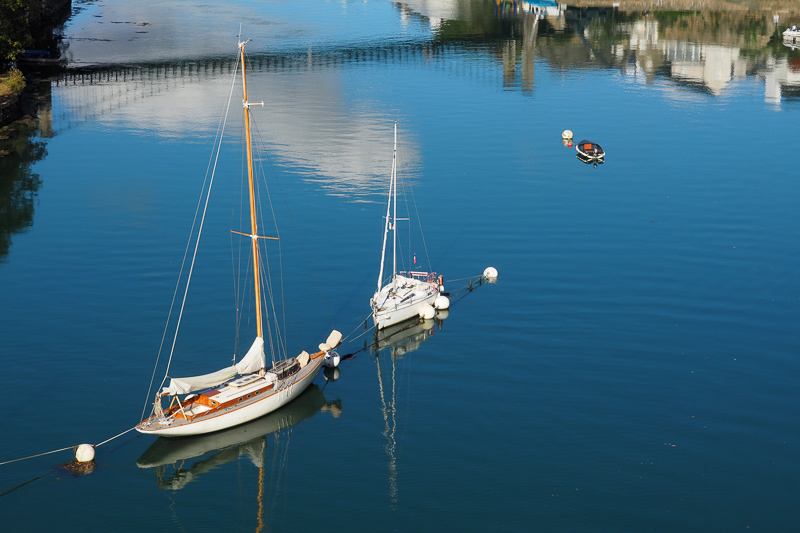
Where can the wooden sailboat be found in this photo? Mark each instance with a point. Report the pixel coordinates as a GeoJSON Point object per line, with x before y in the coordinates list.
{"type": "Point", "coordinates": [172, 458]}
{"type": "Point", "coordinates": [249, 389]}
{"type": "Point", "coordinates": [409, 293]}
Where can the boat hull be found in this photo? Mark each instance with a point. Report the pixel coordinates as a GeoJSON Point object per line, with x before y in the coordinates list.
{"type": "Point", "coordinates": [397, 308]}
{"type": "Point", "coordinates": [172, 451]}
{"type": "Point", "coordinates": [238, 414]}
{"type": "Point", "coordinates": [590, 150]}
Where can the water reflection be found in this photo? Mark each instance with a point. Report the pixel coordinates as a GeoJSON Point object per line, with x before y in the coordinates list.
{"type": "Point", "coordinates": [249, 441]}
{"type": "Point", "coordinates": [310, 129]}
{"type": "Point", "coordinates": [703, 51]}
{"type": "Point", "coordinates": [336, 137]}
{"type": "Point", "coordinates": [589, 160]}
{"type": "Point", "coordinates": [398, 340]}
{"type": "Point", "coordinates": [698, 50]}
{"type": "Point", "coordinates": [19, 185]}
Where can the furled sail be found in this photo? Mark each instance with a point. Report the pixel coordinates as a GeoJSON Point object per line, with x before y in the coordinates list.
{"type": "Point", "coordinates": [252, 362]}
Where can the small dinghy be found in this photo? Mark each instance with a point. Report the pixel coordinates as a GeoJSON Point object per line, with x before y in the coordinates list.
{"type": "Point", "coordinates": [589, 150]}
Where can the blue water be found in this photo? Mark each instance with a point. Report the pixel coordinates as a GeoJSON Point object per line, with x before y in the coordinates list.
{"type": "Point", "coordinates": [633, 369]}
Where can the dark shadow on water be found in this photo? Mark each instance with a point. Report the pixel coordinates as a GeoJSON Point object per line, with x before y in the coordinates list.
{"type": "Point", "coordinates": [19, 185]}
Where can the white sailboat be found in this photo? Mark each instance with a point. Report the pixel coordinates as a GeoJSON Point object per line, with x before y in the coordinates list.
{"type": "Point", "coordinates": [407, 294]}
{"type": "Point", "coordinates": [250, 388]}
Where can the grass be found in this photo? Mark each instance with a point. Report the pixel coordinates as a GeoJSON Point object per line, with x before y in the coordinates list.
{"type": "Point", "coordinates": [11, 83]}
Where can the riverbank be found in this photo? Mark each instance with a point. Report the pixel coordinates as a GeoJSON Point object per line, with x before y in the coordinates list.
{"type": "Point", "coordinates": [38, 33]}
{"type": "Point", "coordinates": [23, 114]}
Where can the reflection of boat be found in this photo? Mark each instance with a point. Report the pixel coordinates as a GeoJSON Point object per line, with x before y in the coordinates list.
{"type": "Point", "coordinates": [249, 389]}
{"type": "Point", "coordinates": [590, 150]}
{"type": "Point", "coordinates": [590, 160]}
{"type": "Point", "coordinates": [247, 440]}
{"type": "Point", "coordinates": [405, 337]}
{"type": "Point", "coordinates": [407, 293]}
{"type": "Point", "coordinates": [399, 340]}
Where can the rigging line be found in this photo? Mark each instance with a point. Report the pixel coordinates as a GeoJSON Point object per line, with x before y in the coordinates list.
{"type": "Point", "coordinates": [280, 339]}
{"type": "Point", "coordinates": [262, 154]}
{"type": "Point", "coordinates": [280, 331]}
{"type": "Point", "coordinates": [243, 295]}
{"type": "Point", "coordinates": [300, 242]}
{"type": "Point", "coordinates": [419, 223]}
{"type": "Point", "coordinates": [274, 340]}
{"type": "Point", "coordinates": [236, 266]}
{"type": "Point", "coordinates": [217, 142]}
{"type": "Point", "coordinates": [199, 232]}
{"type": "Point", "coordinates": [403, 184]}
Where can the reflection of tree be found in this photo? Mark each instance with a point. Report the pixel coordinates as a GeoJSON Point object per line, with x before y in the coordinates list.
{"type": "Point", "coordinates": [18, 185]}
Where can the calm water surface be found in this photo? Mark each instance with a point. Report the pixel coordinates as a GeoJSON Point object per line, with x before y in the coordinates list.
{"type": "Point", "coordinates": [633, 369]}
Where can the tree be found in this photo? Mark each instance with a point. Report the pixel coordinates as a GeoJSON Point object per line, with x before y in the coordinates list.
{"type": "Point", "coordinates": [15, 32]}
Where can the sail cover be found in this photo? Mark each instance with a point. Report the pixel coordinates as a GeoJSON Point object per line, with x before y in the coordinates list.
{"type": "Point", "coordinates": [252, 362]}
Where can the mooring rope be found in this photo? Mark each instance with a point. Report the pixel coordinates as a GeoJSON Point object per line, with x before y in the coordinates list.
{"type": "Point", "coordinates": [347, 337]}
{"type": "Point", "coordinates": [37, 455]}
{"type": "Point", "coordinates": [64, 449]}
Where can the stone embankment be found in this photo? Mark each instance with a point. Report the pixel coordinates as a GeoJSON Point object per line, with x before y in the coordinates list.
{"type": "Point", "coordinates": [9, 110]}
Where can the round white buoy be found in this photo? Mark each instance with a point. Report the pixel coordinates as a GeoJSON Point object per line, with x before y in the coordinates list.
{"type": "Point", "coordinates": [490, 273]}
{"type": "Point", "coordinates": [441, 302]}
{"type": "Point", "coordinates": [84, 453]}
{"type": "Point", "coordinates": [566, 134]}
{"type": "Point", "coordinates": [331, 359]}
{"type": "Point", "coordinates": [427, 311]}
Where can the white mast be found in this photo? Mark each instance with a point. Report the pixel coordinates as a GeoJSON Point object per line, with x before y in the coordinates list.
{"type": "Point", "coordinates": [394, 211]}
{"type": "Point", "coordinates": [389, 222]}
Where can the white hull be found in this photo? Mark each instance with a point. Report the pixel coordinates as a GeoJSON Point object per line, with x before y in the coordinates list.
{"type": "Point", "coordinates": [240, 413]}
{"type": "Point", "coordinates": [391, 307]}
{"type": "Point", "coordinates": [171, 451]}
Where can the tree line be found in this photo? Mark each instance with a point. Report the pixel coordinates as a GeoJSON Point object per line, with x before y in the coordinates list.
{"type": "Point", "coordinates": [29, 24]}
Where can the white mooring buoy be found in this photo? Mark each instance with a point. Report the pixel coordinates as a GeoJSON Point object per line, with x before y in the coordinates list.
{"type": "Point", "coordinates": [84, 453]}
{"type": "Point", "coordinates": [441, 302]}
{"type": "Point", "coordinates": [566, 135]}
{"type": "Point", "coordinates": [490, 273]}
{"type": "Point", "coordinates": [427, 312]}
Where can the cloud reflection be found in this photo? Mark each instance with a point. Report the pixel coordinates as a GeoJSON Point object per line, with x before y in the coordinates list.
{"type": "Point", "coordinates": [307, 121]}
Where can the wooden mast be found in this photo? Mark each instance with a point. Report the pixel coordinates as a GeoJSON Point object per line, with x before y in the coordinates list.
{"type": "Point", "coordinates": [253, 225]}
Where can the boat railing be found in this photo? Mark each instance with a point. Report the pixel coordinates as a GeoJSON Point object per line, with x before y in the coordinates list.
{"type": "Point", "coordinates": [428, 277]}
